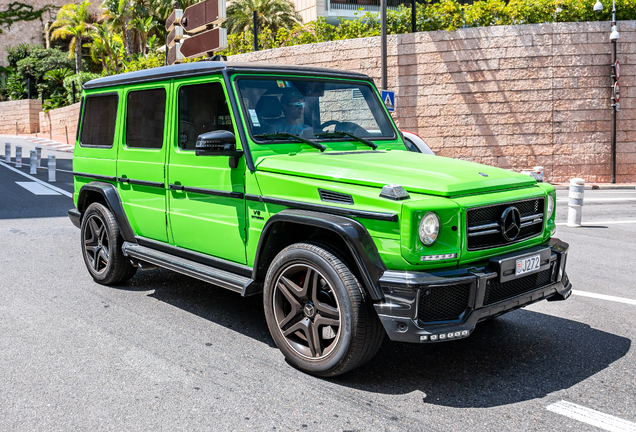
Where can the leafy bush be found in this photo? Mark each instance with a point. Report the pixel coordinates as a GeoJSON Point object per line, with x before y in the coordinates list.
{"type": "Point", "coordinates": [79, 79]}
{"type": "Point", "coordinates": [443, 15]}
{"type": "Point", "coordinates": [139, 62]}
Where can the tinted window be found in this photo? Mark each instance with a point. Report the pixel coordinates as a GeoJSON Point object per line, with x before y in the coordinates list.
{"type": "Point", "coordinates": [145, 118]}
{"type": "Point", "coordinates": [202, 108]}
{"type": "Point", "coordinates": [100, 117]}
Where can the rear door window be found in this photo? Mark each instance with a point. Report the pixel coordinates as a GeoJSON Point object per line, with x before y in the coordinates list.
{"type": "Point", "coordinates": [100, 118]}
{"type": "Point", "coordinates": [145, 118]}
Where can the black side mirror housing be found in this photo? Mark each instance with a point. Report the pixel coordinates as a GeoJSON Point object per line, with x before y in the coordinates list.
{"type": "Point", "coordinates": [218, 143]}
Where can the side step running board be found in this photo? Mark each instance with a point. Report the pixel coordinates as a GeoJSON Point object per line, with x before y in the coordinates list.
{"type": "Point", "coordinates": [222, 278]}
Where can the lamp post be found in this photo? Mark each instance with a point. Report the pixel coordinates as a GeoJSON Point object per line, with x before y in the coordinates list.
{"type": "Point", "coordinates": [614, 36]}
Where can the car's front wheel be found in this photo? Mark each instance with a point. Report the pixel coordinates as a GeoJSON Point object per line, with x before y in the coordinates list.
{"type": "Point", "coordinates": [101, 247]}
{"type": "Point", "coordinates": [317, 312]}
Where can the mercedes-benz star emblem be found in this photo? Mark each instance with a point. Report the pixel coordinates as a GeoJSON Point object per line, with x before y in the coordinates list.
{"type": "Point", "coordinates": [510, 223]}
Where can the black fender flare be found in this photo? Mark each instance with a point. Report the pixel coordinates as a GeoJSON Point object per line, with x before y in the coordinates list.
{"type": "Point", "coordinates": [353, 233]}
{"type": "Point", "coordinates": [113, 202]}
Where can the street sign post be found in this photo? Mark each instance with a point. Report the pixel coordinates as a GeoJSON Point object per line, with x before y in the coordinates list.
{"type": "Point", "coordinates": [617, 92]}
{"type": "Point", "coordinates": [617, 70]}
{"type": "Point", "coordinates": [388, 97]}
{"type": "Point", "coordinates": [201, 22]}
{"type": "Point", "coordinates": [203, 43]}
{"type": "Point", "coordinates": [197, 17]}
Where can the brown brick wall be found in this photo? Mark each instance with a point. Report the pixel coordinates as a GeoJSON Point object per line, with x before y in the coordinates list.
{"type": "Point", "coordinates": [22, 114]}
{"type": "Point", "coordinates": [510, 96]}
{"type": "Point", "coordinates": [56, 119]}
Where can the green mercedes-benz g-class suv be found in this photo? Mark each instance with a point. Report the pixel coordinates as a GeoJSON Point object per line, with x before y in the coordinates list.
{"type": "Point", "coordinates": [294, 183]}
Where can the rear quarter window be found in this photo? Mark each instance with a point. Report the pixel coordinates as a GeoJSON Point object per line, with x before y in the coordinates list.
{"type": "Point", "coordinates": [98, 123]}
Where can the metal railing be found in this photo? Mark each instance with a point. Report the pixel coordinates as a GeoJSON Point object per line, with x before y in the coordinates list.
{"type": "Point", "coordinates": [367, 5]}
{"type": "Point", "coordinates": [374, 5]}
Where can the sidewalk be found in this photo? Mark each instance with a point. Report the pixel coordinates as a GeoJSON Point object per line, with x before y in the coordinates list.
{"type": "Point", "coordinates": [594, 186]}
{"type": "Point", "coordinates": [56, 143]}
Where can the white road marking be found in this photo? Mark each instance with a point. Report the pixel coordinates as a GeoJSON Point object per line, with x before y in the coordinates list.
{"type": "Point", "coordinates": [50, 186]}
{"type": "Point", "coordinates": [601, 223]}
{"type": "Point", "coordinates": [36, 188]}
{"type": "Point", "coordinates": [601, 200]}
{"type": "Point", "coordinates": [592, 417]}
{"type": "Point", "coordinates": [604, 297]}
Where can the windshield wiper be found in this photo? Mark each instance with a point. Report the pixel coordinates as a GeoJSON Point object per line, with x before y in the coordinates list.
{"type": "Point", "coordinates": [287, 136]}
{"type": "Point", "coordinates": [337, 134]}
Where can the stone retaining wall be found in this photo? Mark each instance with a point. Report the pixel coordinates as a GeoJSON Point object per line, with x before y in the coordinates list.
{"type": "Point", "coordinates": [20, 117]}
{"type": "Point", "coordinates": [510, 96]}
{"type": "Point", "coordinates": [56, 119]}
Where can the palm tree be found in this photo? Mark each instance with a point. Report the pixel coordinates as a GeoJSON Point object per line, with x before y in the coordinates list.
{"type": "Point", "coordinates": [118, 13]}
{"type": "Point", "coordinates": [73, 21]}
{"type": "Point", "coordinates": [271, 14]}
{"type": "Point", "coordinates": [103, 46]}
{"type": "Point", "coordinates": [143, 26]}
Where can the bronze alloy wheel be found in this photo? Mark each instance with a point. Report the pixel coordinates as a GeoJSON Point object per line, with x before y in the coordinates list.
{"type": "Point", "coordinates": [96, 244]}
{"type": "Point", "coordinates": [317, 312]}
{"type": "Point", "coordinates": [306, 310]}
{"type": "Point", "coordinates": [101, 247]}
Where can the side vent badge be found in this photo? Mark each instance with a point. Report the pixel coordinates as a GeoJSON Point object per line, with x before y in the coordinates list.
{"type": "Point", "coordinates": [394, 192]}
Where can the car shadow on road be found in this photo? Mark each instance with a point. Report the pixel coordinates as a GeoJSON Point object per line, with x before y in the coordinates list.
{"type": "Point", "coordinates": [210, 302]}
{"type": "Point", "coordinates": [520, 356]}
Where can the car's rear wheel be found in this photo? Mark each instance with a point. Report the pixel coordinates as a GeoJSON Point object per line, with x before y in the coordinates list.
{"type": "Point", "coordinates": [101, 247]}
{"type": "Point", "coordinates": [317, 312]}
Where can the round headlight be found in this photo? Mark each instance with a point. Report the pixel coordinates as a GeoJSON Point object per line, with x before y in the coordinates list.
{"type": "Point", "coordinates": [429, 228]}
{"type": "Point", "coordinates": [550, 206]}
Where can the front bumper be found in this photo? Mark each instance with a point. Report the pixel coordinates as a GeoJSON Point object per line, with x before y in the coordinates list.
{"type": "Point", "coordinates": [445, 305]}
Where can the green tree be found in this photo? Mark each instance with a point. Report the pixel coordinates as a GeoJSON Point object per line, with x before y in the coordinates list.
{"type": "Point", "coordinates": [37, 63]}
{"type": "Point", "coordinates": [73, 21]}
{"type": "Point", "coordinates": [272, 15]}
{"type": "Point", "coordinates": [118, 14]}
{"type": "Point", "coordinates": [143, 26]}
{"type": "Point", "coordinates": [103, 48]}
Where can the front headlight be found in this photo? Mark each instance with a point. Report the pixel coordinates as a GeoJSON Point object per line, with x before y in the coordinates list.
{"type": "Point", "coordinates": [429, 228]}
{"type": "Point", "coordinates": [550, 206]}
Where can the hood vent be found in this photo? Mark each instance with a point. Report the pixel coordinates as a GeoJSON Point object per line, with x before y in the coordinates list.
{"type": "Point", "coordinates": [335, 197]}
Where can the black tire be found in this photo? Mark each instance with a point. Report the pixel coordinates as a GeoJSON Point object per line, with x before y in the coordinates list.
{"type": "Point", "coordinates": [317, 311]}
{"type": "Point", "coordinates": [101, 247]}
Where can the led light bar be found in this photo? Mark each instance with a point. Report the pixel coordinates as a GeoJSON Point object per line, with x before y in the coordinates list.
{"type": "Point", "coordinates": [438, 257]}
{"type": "Point", "coordinates": [445, 336]}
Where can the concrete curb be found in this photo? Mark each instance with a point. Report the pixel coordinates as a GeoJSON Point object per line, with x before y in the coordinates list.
{"type": "Point", "coordinates": [595, 186]}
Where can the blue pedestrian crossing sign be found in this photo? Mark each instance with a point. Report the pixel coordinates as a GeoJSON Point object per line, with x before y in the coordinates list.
{"type": "Point", "coordinates": [388, 97]}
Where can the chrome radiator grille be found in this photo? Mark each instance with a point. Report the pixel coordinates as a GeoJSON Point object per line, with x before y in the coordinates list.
{"type": "Point", "coordinates": [484, 230]}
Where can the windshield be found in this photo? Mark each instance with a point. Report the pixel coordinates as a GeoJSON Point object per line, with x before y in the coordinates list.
{"type": "Point", "coordinates": [312, 109]}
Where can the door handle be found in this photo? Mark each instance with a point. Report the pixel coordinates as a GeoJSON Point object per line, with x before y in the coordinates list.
{"type": "Point", "coordinates": [173, 186]}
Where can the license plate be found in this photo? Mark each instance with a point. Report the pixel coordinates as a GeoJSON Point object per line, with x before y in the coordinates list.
{"type": "Point", "coordinates": [528, 265]}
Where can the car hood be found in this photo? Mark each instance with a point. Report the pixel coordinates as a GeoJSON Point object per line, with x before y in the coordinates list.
{"type": "Point", "coordinates": [416, 172]}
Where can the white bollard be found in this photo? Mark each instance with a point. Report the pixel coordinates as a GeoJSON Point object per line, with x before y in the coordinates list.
{"type": "Point", "coordinates": [51, 166]}
{"type": "Point", "coordinates": [538, 173]}
{"type": "Point", "coordinates": [38, 151]}
{"type": "Point", "coordinates": [575, 204]}
{"type": "Point", "coordinates": [34, 163]}
{"type": "Point", "coordinates": [18, 156]}
{"type": "Point", "coordinates": [7, 152]}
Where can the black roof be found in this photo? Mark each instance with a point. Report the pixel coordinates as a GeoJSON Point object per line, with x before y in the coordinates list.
{"type": "Point", "coordinates": [211, 67]}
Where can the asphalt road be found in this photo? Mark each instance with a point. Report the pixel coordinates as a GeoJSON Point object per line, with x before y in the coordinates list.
{"type": "Point", "coordinates": [166, 352]}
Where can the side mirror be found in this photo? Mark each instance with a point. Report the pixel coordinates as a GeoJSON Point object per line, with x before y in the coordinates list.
{"type": "Point", "coordinates": [218, 143]}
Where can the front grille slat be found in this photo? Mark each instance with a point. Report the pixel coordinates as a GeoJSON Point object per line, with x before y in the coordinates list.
{"type": "Point", "coordinates": [483, 229]}
{"type": "Point", "coordinates": [443, 303]}
{"type": "Point", "coordinates": [498, 291]}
